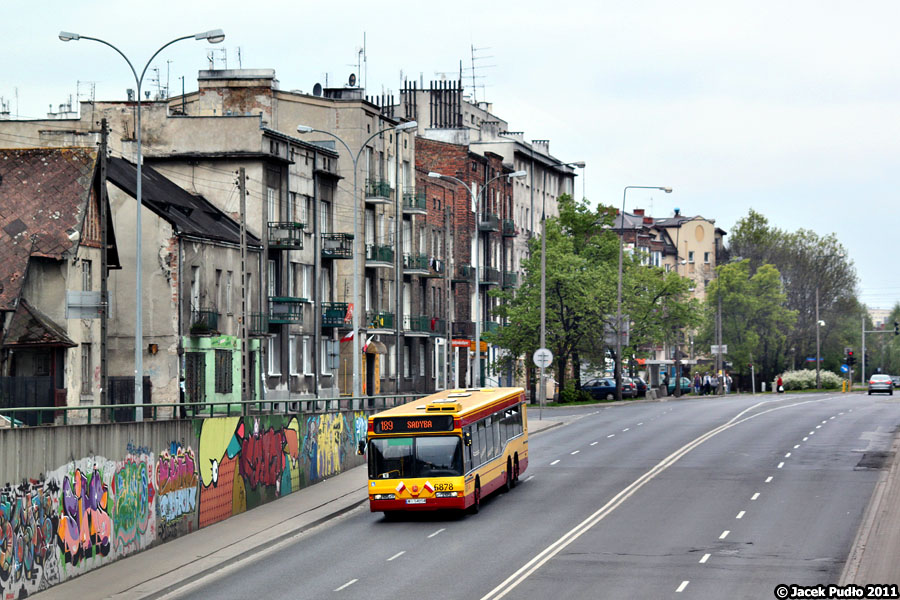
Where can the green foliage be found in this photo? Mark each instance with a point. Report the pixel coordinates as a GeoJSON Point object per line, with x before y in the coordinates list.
{"type": "Point", "coordinates": [570, 394]}
{"type": "Point", "coordinates": [806, 380]}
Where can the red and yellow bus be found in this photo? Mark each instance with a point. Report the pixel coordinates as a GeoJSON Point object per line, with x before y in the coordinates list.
{"type": "Point", "coordinates": [447, 450]}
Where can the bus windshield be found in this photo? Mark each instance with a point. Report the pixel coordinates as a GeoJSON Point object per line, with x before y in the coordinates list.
{"type": "Point", "coordinates": [432, 456]}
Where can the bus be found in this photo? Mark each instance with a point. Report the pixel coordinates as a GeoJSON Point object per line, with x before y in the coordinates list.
{"type": "Point", "coordinates": [447, 450]}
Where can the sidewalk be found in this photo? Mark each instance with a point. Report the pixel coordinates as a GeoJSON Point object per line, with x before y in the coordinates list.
{"type": "Point", "coordinates": [166, 567]}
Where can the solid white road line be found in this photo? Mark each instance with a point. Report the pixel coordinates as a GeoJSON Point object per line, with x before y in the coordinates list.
{"type": "Point", "coordinates": [724, 534]}
{"type": "Point", "coordinates": [346, 585]}
{"type": "Point", "coordinates": [705, 558]}
{"type": "Point", "coordinates": [398, 555]}
{"type": "Point", "coordinates": [768, 479]}
{"type": "Point", "coordinates": [530, 478]}
{"type": "Point", "coordinates": [554, 462]}
{"type": "Point", "coordinates": [741, 514]}
{"type": "Point", "coordinates": [437, 532]}
{"type": "Point", "coordinates": [682, 586]}
{"type": "Point", "coordinates": [755, 496]}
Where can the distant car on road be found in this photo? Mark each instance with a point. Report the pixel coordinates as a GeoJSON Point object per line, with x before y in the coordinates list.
{"type": "Point", "coordinates": [896, 380]}
{"type": "Point", "coordinates": [685, 386]}
{"type": "Point", "coordinates": [604, 388]}
{"type": "Point", "coordinates": [881, 383]}
{"type": "Point", "coordinates": [641, 386]}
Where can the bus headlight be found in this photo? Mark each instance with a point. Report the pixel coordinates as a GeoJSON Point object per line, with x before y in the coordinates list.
{"type": "Point", "coordinates": [384, 497]}
{"type": "Point", "coordinates": [445, 495]}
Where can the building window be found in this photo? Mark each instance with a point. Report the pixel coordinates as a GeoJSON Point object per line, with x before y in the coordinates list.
{"type": "Point", "coordinates": [86, 279]}
{"type": "Point", "coordinates": [224, 371]}
{"type": "Point", "coordinates": [406, 373]}
{"type": "Point", "coordinates": [86, 369]}
{"type": "Point", "coordinates": [228, 287]}
{"type": "Point", "coordinates": [271, 197]}
{"type": "Point", "coordinates": [274, 356]}
{"type": "Point", "coordinates": [422, 360]}
{"type": "Point", "coordinates": [324, 351]}
{"type": "Point", "coordinates": [691, 256]}
{"type": "Point", "coordinates": [706, 257]}
{"type": "Point", "coordinates": [307, 357]}
{"type": "Point", "coordinates": [293, 358]}
{"type": "Point", "coordinates": [273, 282]}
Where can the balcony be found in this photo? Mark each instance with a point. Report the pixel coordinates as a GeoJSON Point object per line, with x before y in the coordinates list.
{"type": "Point", "coordinates": [510, 279]}
{"type": "Point", "coordinates": [379, 319]}
{"type": "Point", "coordinates": [415, 203]}
{"type": "Point", "coordinates": [488, 222]}
{"type": "Point", "coordinates": [337, 245]}
{"type": "Point", "coordinates": [490, 276]}
{"type": "Point", "coordinates": [258, 324]}
{"type": "Point", "coordinates": [286, 310]}
{"type": "Point", "coordinates": [490, 327]}
{"type": "Point", "coordinates": [464, 274]}
{"type": "Point", "coordinates": [436, 268]}
{"type": "Point", "coordinates": [334, 314]}
{"type": "Point", "coordinates": [379, 255]}
{"type": "Point", "coordinates": [204, 321]}
{"type": "Point", "coordinates": [463, 329]}
{"type": "Point", "coordinates": [416, 325]}
{"type": "Point", "coordinates": [378, 191]}
{"type": "Point", "coordinates": [286, 235]}
{"type": "Point", "coordinates": [415, 264]}
{"type": "Point", "coordinates": [508, 228]}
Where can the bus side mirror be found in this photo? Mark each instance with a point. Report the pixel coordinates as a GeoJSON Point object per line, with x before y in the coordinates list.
{"type": "Point", "coordinates": [467, 438]}
{"type": "Point", "coordinates": [361, 447]}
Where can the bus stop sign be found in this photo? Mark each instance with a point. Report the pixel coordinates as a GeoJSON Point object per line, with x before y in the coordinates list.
{"type": "Point", "coordinates": [543, 357]}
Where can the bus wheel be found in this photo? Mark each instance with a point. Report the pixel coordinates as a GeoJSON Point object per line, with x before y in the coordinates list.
{"type": "Point", "coordinates": [515, 471]}
{"type": "Point", "coordinates": [509, 476]}
{"type": "Point", "coordinates": [476, 506]}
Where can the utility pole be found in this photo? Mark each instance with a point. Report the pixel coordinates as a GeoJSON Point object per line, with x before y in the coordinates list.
{"type": "Point", "coordinates": [719, 374]}
{"type": "Point", "coordinates": [104, 284]}
{"type": "Point", "coordinates": [818, 383]}
{"type": "Point", "coordinates": [447, 311]}
{"type": "Point", "coordinates": [245, 338]}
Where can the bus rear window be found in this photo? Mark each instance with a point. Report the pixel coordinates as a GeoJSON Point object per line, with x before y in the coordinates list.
{"type": "Point", "coordinates": [433, 456]}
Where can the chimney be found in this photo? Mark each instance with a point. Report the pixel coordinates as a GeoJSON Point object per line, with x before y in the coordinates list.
{"type": "Point", "coordinates": [639, 212]}
{"type": "Point", "coordinates": [648, 220]}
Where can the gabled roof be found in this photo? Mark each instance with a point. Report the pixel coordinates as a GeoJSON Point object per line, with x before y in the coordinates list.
{"type": "Point", "coordinates": [30, 327]}
{"type": "Point", "coordinates": [189, 214]}
{"type": "Point", "coordinates": [44, 195]}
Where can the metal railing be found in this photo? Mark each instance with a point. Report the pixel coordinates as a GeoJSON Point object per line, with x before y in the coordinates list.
{"type": "Point", "coordinates": [510, 279]}
{"type": "Point", "coordinates": [378, 188]}
{"type": "Point", "coordinates": [334, 313]}
{"type": "Point", "coordinates": [286, 235]}
{"type": "Point", "coordinates": [488, 222]}
{"type": "Point", "coordinates": [415, 262]}
{"type": "Point", "coordinates": [379, 253]}
{"type": "Point", "coordinates": [508, 227]}
{"type": "Point", "coordinates": [490, 275]}
{"type": "Point", "coordinates": [415, 201]}
{"type": "Point", "coordinates": [337, 245]}
{"type": "Point", "coordinates": [204, 320]}
{"type": "Point", "coordinates": [379, 319]}
{"type": "Point", "coordinates": [286, 310]}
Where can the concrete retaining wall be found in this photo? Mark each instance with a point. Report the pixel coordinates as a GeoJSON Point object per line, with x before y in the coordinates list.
{"type": "Point", "coordinates": [77, 497]}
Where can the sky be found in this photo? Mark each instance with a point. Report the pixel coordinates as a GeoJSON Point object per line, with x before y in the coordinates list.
{"type": "Point", "coordinates": [788, 108]}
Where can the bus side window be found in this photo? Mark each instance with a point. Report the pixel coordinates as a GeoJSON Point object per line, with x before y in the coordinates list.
{"type": "Point", "coordinates": [491, 450]}
{"type": "Point", "coordinates": [498, 443]}
{"type": "Point", "coordinates": [482, 443]}
{"type": "Point", "coordinates": [467, 450]}
{"type": "Point", "coordinates": [477, 443]}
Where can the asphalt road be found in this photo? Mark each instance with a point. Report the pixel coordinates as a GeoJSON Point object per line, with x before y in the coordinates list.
{"type": "Point", "coordinates": [701, 498]}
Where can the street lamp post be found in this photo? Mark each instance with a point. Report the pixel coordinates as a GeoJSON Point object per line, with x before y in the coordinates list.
{"type": "Point", "coordinates": [476, 376]}
{"type": "Point", "coordinates": [213, 36]}
{"type": "Point", "coordinates": [357, 359]}
{"type": "Point", "coordinates": [667, 190]}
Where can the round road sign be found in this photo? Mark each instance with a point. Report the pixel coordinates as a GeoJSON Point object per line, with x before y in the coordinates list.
{"type": "Point", "coordinates": [543, 357]}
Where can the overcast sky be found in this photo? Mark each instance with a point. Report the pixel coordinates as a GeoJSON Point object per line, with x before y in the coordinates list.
{"type": "Point", "coordinates": [789, 108]}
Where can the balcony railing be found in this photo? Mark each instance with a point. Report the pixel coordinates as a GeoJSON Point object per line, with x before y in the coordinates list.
{"type": "Point", "coordinates": [490, 276]}
{"type": "Point", "coordinates": [286, 235]}
{"type": "Point", "coordinates": [337, 245]}
{"type": "Point", "coordinates": [415, 202]}
{"type": "Point", "coordinates": [258, 324]}
{"type": "Point", "coordinates": [508, 228]}
{"type": "Point", "coordinates": [424, 324]}
{"type": "Point", "coordinates": [463, 329]}
{"type": "Point", "coordinates": [464, 273]}
{"type": "Point", "coordinates": [436, 267]}
{"type": "Point", "coordinates": [415, 263]}
{"type": "Point", "coordinates": [204, 320]}
{"type": "Point", "coordinates": [380, 253]}
{"type": "Point", "coordinates": [379, 319]}
{"type": "Point", "coordinates": [378, 191]}
{"type": "Point", "coordinates": [286, 310]}
{"type": "Point", "coordinates": [488, 222]}
{"type": "Point", "coordinates": [510, 279]}
{"type": "Point", "coordinates": [333, 313]}
{"type": "Point", "coordinates": [490, 326]}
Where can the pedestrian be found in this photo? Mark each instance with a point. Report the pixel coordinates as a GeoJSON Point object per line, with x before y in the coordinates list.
{"type": "Point", "coordinates": [697, 383]}
{"type": "Point", "coordinates": [779, 385]}
{"type": "Point", "coordinates": [714, 383]}
{"type": "Point", "coordinates": [706, 384]}
{"type": "Point", "coordinates": [728, 383]}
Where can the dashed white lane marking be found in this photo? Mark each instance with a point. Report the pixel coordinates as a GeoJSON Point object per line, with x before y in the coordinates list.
{"type": "Point", "coordinates": [626, 429]}
{"type": "Point", "coordinates": [840, 414]}
{"type": "Point", "coordinates": [812, 433]}
{"type": "Point", "coordinates": [781, 464]}
{"type": "Point", "coordinates": [788, 455]}
{"type": "Point", "coordinates": [554, 462]}
{"type": "Point", "coordinates": [705, 558]}
{"type": "Point", "coordinates": [574, 453]}
{"type": "Point", "coordinates": [346, 585]}
{"type": "Point", "coordinates": [823, 422]}
{"type": "Point", "coordinates": [682, 586]}
{"type": "Point", "coordinates": [741, 514]}
{"type": "Point", "coordinates": [796, 446]}
{"type": "Point", "coordinates": [755, 496]}
{"type": "Point", "coordinates": [818, 427]}
{"type": "Point", "coordinates": [398, 555]}
{"type": "Point", "coordinates": [806, 438]}
{"type": "Point", "coordinates": [768, 479]}
{"type": "Point", "coordinates": [530, 478]}
{"type": "Point", "coordinates": [724, 534]}
{"type": "Point", "coordinates": [437, 532]}
{"type": "Point", "coordinates": [595, 443]}
{"type": "Point", "coordinates": [611, 435]}
{"type": "Point", "coordinates": [830, 418]}
{"type": "Point", "coordinates": [639, 424]}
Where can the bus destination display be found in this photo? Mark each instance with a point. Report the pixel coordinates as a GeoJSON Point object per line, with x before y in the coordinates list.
{"type": "Point", "coordinates": [416, 424]}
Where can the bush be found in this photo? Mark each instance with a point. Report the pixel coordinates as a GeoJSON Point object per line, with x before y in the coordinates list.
{"type": "Point", "coordinates": [570, 394]}
{"type": "Point", "coordinates": [805, 379]}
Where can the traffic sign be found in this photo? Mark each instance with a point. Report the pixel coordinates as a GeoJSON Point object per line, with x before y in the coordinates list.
{"type": "Point", "coordinates": [845, 369]}
{"type": "Point", "coordinates": [714, 349]}
{"type": "Point", "coordinates": [543, 357]}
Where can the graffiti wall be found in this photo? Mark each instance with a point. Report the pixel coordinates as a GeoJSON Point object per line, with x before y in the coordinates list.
{"type": "Point", "coordinates": [81, 514]}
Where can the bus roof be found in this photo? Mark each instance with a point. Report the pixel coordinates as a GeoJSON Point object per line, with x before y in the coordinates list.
{"type": "Point", "coordinates": [469, 400]}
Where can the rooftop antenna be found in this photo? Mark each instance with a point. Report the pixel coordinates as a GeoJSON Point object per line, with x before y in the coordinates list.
{"type": "Point", "coordinates": [240, 63]}
{"type": "Point", "coordinates": [365, 59]}
{"type": "Point", "coordinates": [474, 71]}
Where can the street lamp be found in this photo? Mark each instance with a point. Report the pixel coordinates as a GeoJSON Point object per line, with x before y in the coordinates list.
{"type": "Point", "coordinates": [213, 36]}
{"type": "Point", "coordinates": [357, 358]}
{"type": "Point", "coordinates": [475, 312]}
{"type": "Point", "coordinates": [667, 190]}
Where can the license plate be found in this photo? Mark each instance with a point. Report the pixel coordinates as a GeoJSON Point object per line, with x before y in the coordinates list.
{"type": "Point", "coordinates": [416, 501]}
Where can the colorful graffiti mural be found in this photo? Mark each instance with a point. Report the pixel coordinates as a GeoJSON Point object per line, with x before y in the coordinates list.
{"type": "Point", "coordinates": [328, 439]}
{"type": "Point", "coordinates": [135, 520]}
{"type": "Point", "coordinates": [176, 484]}
{"type": "Point", "coordinates": [28, 521]}
{"type": "Point", "coordinates": [85, 527]}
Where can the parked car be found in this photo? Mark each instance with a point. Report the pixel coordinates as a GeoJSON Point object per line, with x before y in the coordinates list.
{"type": "Point", "coordinates": [629, 386]}
{"type": "Point", "coordinates": [896, 380]}
{"type": "Point", "coordinates": [641, 386]}
{"type": "Point", "coordinates": [881, 383]}
{"type": "Point", "coordinates": [685, 386]}
{"type": "Point", "coordinates": [604, 388]}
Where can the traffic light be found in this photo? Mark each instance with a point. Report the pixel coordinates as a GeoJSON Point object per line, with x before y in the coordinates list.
{"type": "Point", "coordinates": [851, 359]}
{"type": "Point", "coordinates": [896, 328]}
